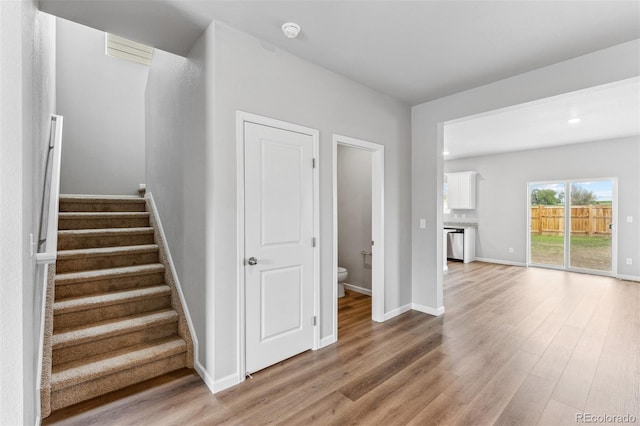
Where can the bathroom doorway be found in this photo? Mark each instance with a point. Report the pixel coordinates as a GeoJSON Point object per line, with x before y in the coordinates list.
{"type": "Point", "coordinates": [365, 167]}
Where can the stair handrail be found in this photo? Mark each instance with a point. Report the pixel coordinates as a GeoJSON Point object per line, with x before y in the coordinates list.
{"type": "Point", "coordinates": [48, 230]}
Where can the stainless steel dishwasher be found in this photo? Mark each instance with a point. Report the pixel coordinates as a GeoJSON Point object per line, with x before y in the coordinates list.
{"type": "Point", "coordinates": [455, 244]}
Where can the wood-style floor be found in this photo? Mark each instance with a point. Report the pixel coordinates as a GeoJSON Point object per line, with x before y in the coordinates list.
{"type": "Point", "coordinates": [520, 346]}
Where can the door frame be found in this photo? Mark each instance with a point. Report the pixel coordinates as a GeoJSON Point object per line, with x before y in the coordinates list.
{"type": "Point", "coordinates": [377, 225]}
{"type": "Point", "coordinates": [242, 118]}
{"type": "Point", "coordinates": [567, 226]}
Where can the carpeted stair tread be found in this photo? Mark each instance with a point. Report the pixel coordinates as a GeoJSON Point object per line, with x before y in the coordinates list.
{"type": "Point", "coordinates": [107, 299]}
{"type": "Point", "coordinates": [104, 329]}
{"type": "Point", "coordinates": [76, 372]}
{"type": "Point", "coordinates": [111, 302]}
{"type": "Point", "coordinates": [100, 198]}
{"type": "Point", "coordinates": [106, 274]}
{"type": "Point", "coordinates": [105, 251]}
{"type": "Point", "coordinates": [79, 233]}
{"type": "Point", "coordinates": [102, 215]}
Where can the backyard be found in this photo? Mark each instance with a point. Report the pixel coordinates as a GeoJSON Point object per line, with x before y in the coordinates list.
{"type": "Point", "coordinates": [588, 252]}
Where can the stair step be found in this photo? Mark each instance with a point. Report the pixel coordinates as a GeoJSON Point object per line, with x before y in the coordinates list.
{"type": "Point", "coordinates": [85, 283]}
{"type": "Point", "coordinates": [110, 237]}
{"type": "Point", "coordinates": [86, 341]}
{"type": "Point", "coordinates": [102, 220]}
{"type": "Point", "coordinates": [106, 257]}
{"type": "Point", "coordinates": [101, 203]}
{"type": "Point", "coordinates": [84, 379]}
{"type": "Point", "coordinates": [85, 310]}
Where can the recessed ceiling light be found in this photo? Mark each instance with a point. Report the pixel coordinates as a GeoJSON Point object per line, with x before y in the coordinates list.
{"type": "Point", "coordinates": [445, 153]}
{"type": "Point", "coordinates": [574, 120]}
{"type": "Point", "coordinates": [291, 29]}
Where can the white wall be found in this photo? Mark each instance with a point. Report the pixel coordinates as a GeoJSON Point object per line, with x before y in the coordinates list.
{"type": "Point", "coordinates": [254, 77]}
{"type": "Point", "coordinates": [502, 193]}
{"type": "Point", "coordinates": [601, 67]}
{"type": "Point", "coordinates": [354, 214]}
{"type": "Point", "coordinates": [27, 98]}
{"type": "Point", "coordinates": [102, 100]}
{"type": "Point", "coordinates": [176, 175]}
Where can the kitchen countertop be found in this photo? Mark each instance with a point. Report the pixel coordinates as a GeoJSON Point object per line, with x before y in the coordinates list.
{"type": "Point", "coordinates": [461, 224]}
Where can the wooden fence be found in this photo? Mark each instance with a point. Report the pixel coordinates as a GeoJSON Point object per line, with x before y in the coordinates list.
{"type": "Point", "coordinates": [587, 220]}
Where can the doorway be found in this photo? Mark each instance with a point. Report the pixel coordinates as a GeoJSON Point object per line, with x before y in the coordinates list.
{"type": "Point", "coordinates": [278, 245]}
{"type": "Point", "coordinates": [572, 225]}
{"type": "Point", "coordinates": [376, 253]}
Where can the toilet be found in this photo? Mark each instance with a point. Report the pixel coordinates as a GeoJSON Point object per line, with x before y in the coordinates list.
{"type": "Point", "coordinates": [342, 277]}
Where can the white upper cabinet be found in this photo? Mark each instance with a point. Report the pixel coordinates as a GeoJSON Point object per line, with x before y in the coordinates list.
{"type": "Point", "coordinates": [461, 190]}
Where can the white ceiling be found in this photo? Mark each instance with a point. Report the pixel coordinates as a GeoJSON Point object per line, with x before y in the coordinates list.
{"type": "Point", "coordinates": [606, 112]}
{"type": "Point", "coordinates": [412, 50]}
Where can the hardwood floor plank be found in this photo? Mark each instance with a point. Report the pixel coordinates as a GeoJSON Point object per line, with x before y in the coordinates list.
{"type": "Point", "coordinates": [319, 410]}
{"type": "Point", "coordinates": [528, 403]}
{"type": "Point", "coordinates": [614, 390]}
{"type": "Point", "coordinates": [558, 414]}
{"type": "Point", "coordinates": [382, 372]}
{"type": "Point", "coordinates": [574, 385]}
{"type": "Point", "coordinates": [552, 363]}
{"type": "Point", "coordinates": [517, 346]}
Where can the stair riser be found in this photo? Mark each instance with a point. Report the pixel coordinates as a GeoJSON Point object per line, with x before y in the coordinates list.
{"type": "Point", "coordinates": [104, 262]}
{"type": "Point", "coordinates": [88, 288]}
{"type": "Point", "coordinates": [101, 313]}
{"type": "Point", "coordinates": [66, 206]}
{"type": "Point", "coordinates": [74, 394]}
{"type": "Point", "coordinates": [97, 347]}
{"type": "Point", "coordinates": [72, 242]}
{"type": "Point", "coordinates": [102, 223]}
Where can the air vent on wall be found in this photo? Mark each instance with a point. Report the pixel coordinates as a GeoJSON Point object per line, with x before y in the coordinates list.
{"type": "Point", "coordinates": [119, 47]}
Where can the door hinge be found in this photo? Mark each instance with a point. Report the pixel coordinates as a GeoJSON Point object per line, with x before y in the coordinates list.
{"type": "Point", "coordinates": [373, 243]}
{"type": "Point", "coordinates": [313, 242]}
{"type": "Point", "coordinates": [315, 320]}
{"type": "Point", "coordinates": [313, 163]}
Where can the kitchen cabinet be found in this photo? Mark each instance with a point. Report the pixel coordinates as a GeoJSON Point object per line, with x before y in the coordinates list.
{"type": "Point", "coordinates": [461, 187]}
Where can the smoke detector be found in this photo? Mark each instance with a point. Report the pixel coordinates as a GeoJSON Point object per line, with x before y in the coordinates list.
{"type": "Point", "coordinates": [291, 29]}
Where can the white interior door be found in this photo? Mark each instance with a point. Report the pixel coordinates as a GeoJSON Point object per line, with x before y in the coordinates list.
{"type": "Point", "coordinates": [279, 252]}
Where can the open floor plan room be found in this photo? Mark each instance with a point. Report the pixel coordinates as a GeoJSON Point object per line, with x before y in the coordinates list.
{"type": "Point", "coordinates": [516, 346]}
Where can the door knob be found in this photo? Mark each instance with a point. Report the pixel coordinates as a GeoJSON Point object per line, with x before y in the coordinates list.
{"type": "Point", "coordinates": [252, 261]}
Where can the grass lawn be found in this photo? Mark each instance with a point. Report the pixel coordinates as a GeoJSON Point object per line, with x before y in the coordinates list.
{"type": "Point", "coordinates": [586, 252]}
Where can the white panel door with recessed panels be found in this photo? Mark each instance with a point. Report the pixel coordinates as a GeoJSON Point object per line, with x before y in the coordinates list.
{"type": "Point", "coordinates": [279, 252]}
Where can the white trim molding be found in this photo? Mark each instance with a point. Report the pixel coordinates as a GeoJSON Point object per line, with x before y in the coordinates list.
{"type": "Point", "coordinates": [185, 309]}
{"type": "Point", "coordinates": [628, 277]}
{"type": "Point", "coordinates": [357, 289]}
{"type": "Point", "coordinates": [436, 312]}
{"type": "Point", "coordinates": [329, 340]}
{"type": "Point", "coordinates": [242, 118]}
{"type": "Point", "coordinates": [500, 262]}
{"type": "Point", "coordinates": [225, 382]}
{"type": "Point", "coordinates": [395, 312]}
{"type": "Point", "coordinates": [377, 226]}
{"type": "Point", "coordinates": [205, 376]}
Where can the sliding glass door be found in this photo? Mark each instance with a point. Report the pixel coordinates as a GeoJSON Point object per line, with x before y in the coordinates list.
{"type": "Point", "coordinates": [571, 225]}
{"type": "Point", "coordinates": [546, 241]}
{"type": "Point", "coordinates": [590, 244]}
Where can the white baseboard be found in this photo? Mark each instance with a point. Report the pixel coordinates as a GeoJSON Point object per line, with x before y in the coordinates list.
{"type": "Point", "coordinates": [225, 382]}
{"type": "Point", "coordinates": [329, 340]}
{"type": "Point", "coordinates": [156, 215]}
{"type": "Point", "coordinates": [436, 312]}
{"type": "Point", "coordinates": [357, 289]}
{"type": "Point", "coordinates": [500, 262]}
{"type": "Point", "coordinates": [397, 311]}
{"type": "Point", "coordinates": [204, 375]}
{"type": "Point", "coordinates": [628, 277]}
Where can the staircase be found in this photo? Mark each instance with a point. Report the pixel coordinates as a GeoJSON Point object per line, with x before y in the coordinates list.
{"type": "Point", "coordinates": [117, 318]}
